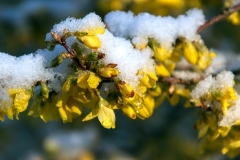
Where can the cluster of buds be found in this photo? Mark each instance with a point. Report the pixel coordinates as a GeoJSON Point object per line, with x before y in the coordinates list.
{"type": "Point", "coordinates": [218, 124]}
{"type": "Point", "coordinates": [86, 86]}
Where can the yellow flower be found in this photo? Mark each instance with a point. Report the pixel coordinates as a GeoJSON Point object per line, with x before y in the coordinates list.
{"type": "Point", "coordinates": [149, 79]}
{"type": "Point", "coordinates": [89, 80]}
{"type": "Point", "coordinates": [105, 115]}
{"type": "Point", "coordinates": [20, 98]}
{"type": "Point", "coordinates": [69, 110]}
{"type": "Point", "coordinates": [227, 97]}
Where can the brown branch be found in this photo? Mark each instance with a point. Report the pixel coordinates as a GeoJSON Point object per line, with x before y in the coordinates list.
{"type": "Point", "coordinates": [174, 80]}
{"type": "Point", "coordinates": [219, 17]}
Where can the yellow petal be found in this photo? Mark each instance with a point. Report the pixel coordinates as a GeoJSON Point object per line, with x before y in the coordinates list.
{"type": "Point", "coordinates": [21, 101]}
{"type": "Point", "coordinates": [65, 114]}
{"type": "Point", "coordinates": [62, 99]}
{"type": "Point", "coordinates": [182, 92]}
{"type": "Point", "coordinates": [93, 80]}
{"type": "Point", "coordinates": [10, 113]}
{"type": "Point", "coordinates": [34, 107]}
{"type": "Point", "coordinates": [202, 129]}
{"type": "Point", "coordinates": [67, 84]}
{"type": "Point", "coordinates": [94, 113]}
{"type": "Point", "coordinates": [224, 130]}
{"type": "Point", "coordinates": [93, 31]}
{"type": "Point", "coordinates": [155, 91]}
{"type": "Point", "coordinates": [106, 117]}
{"type": "Point", "coordinates": [75, 107]}
{"type": "Point", "coordinates": [129, 111]}
{"type": "Point", "coordinates": [82, 81]}
{"type": "Point", "coordinates": [1, 116]}
{"type": "Point", "coordinates": [162, 71]}
{"type": "Point", "coordinates": [173, 99]}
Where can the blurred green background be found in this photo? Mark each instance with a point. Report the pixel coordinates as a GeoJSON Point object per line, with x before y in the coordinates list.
{"type": "Point", "coordinates": [168, 134]}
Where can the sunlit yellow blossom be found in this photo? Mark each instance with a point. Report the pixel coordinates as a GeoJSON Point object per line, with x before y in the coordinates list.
{"type": "Point", "coordinates": [149, 79]}
{"type": "Point", "coordinates": [105, 115]}
{"type": "Point", "coordinates": [226, 97]}
{"type": "Point", "coordinates": [93, 80]}
{"type": "Point", "coordinates": [20, 99]}
{"type": "Point", "coordinates": [190, 52]}
{"type": "Point", "coordinates": [69, 110]}
{"type": "Point", "coordinates": [90, 80]}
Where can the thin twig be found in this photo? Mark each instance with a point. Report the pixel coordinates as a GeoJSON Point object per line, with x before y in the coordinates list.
{"type": "Point", "coordinates": [219, 17]}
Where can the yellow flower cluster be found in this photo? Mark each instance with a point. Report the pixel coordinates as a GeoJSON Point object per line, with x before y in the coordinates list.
{"type": "Point", "coordinates": [195, 53]}
{"type": "Point", "coordinates": [208, 126]}
{"type": "Point", "coordinates": [20, 98]}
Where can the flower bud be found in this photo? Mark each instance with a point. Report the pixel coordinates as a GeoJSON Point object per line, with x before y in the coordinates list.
{"type": "Point", "coordinates": [44, 91]}
{"type": "Point", "coordinates": [129, 111]}
{"type": "Point", "coordinates": [108, 72]}
{"type": "Point", "coordinates": [143, 112]}
{"type": "Point", "coordinates": [161, 53]}
{"type": "Point", "coordinates": [190, 53]}
{"type": "Point", "coordinates": [91, 41]}
{"type": "Point", "coordinates": [125, 89]}
{"type": "Point", "coordinates": [56, 61]}
{"type": "Point", "coordinates": [162, 71]}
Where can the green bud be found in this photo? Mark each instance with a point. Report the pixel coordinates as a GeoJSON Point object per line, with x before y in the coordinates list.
{"type": "Point", "coordinates": [44, 90]}
{"type": "Point", "coordinates": [56, 61]}
{"type": "Point", "coordinates": [51, 45]}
